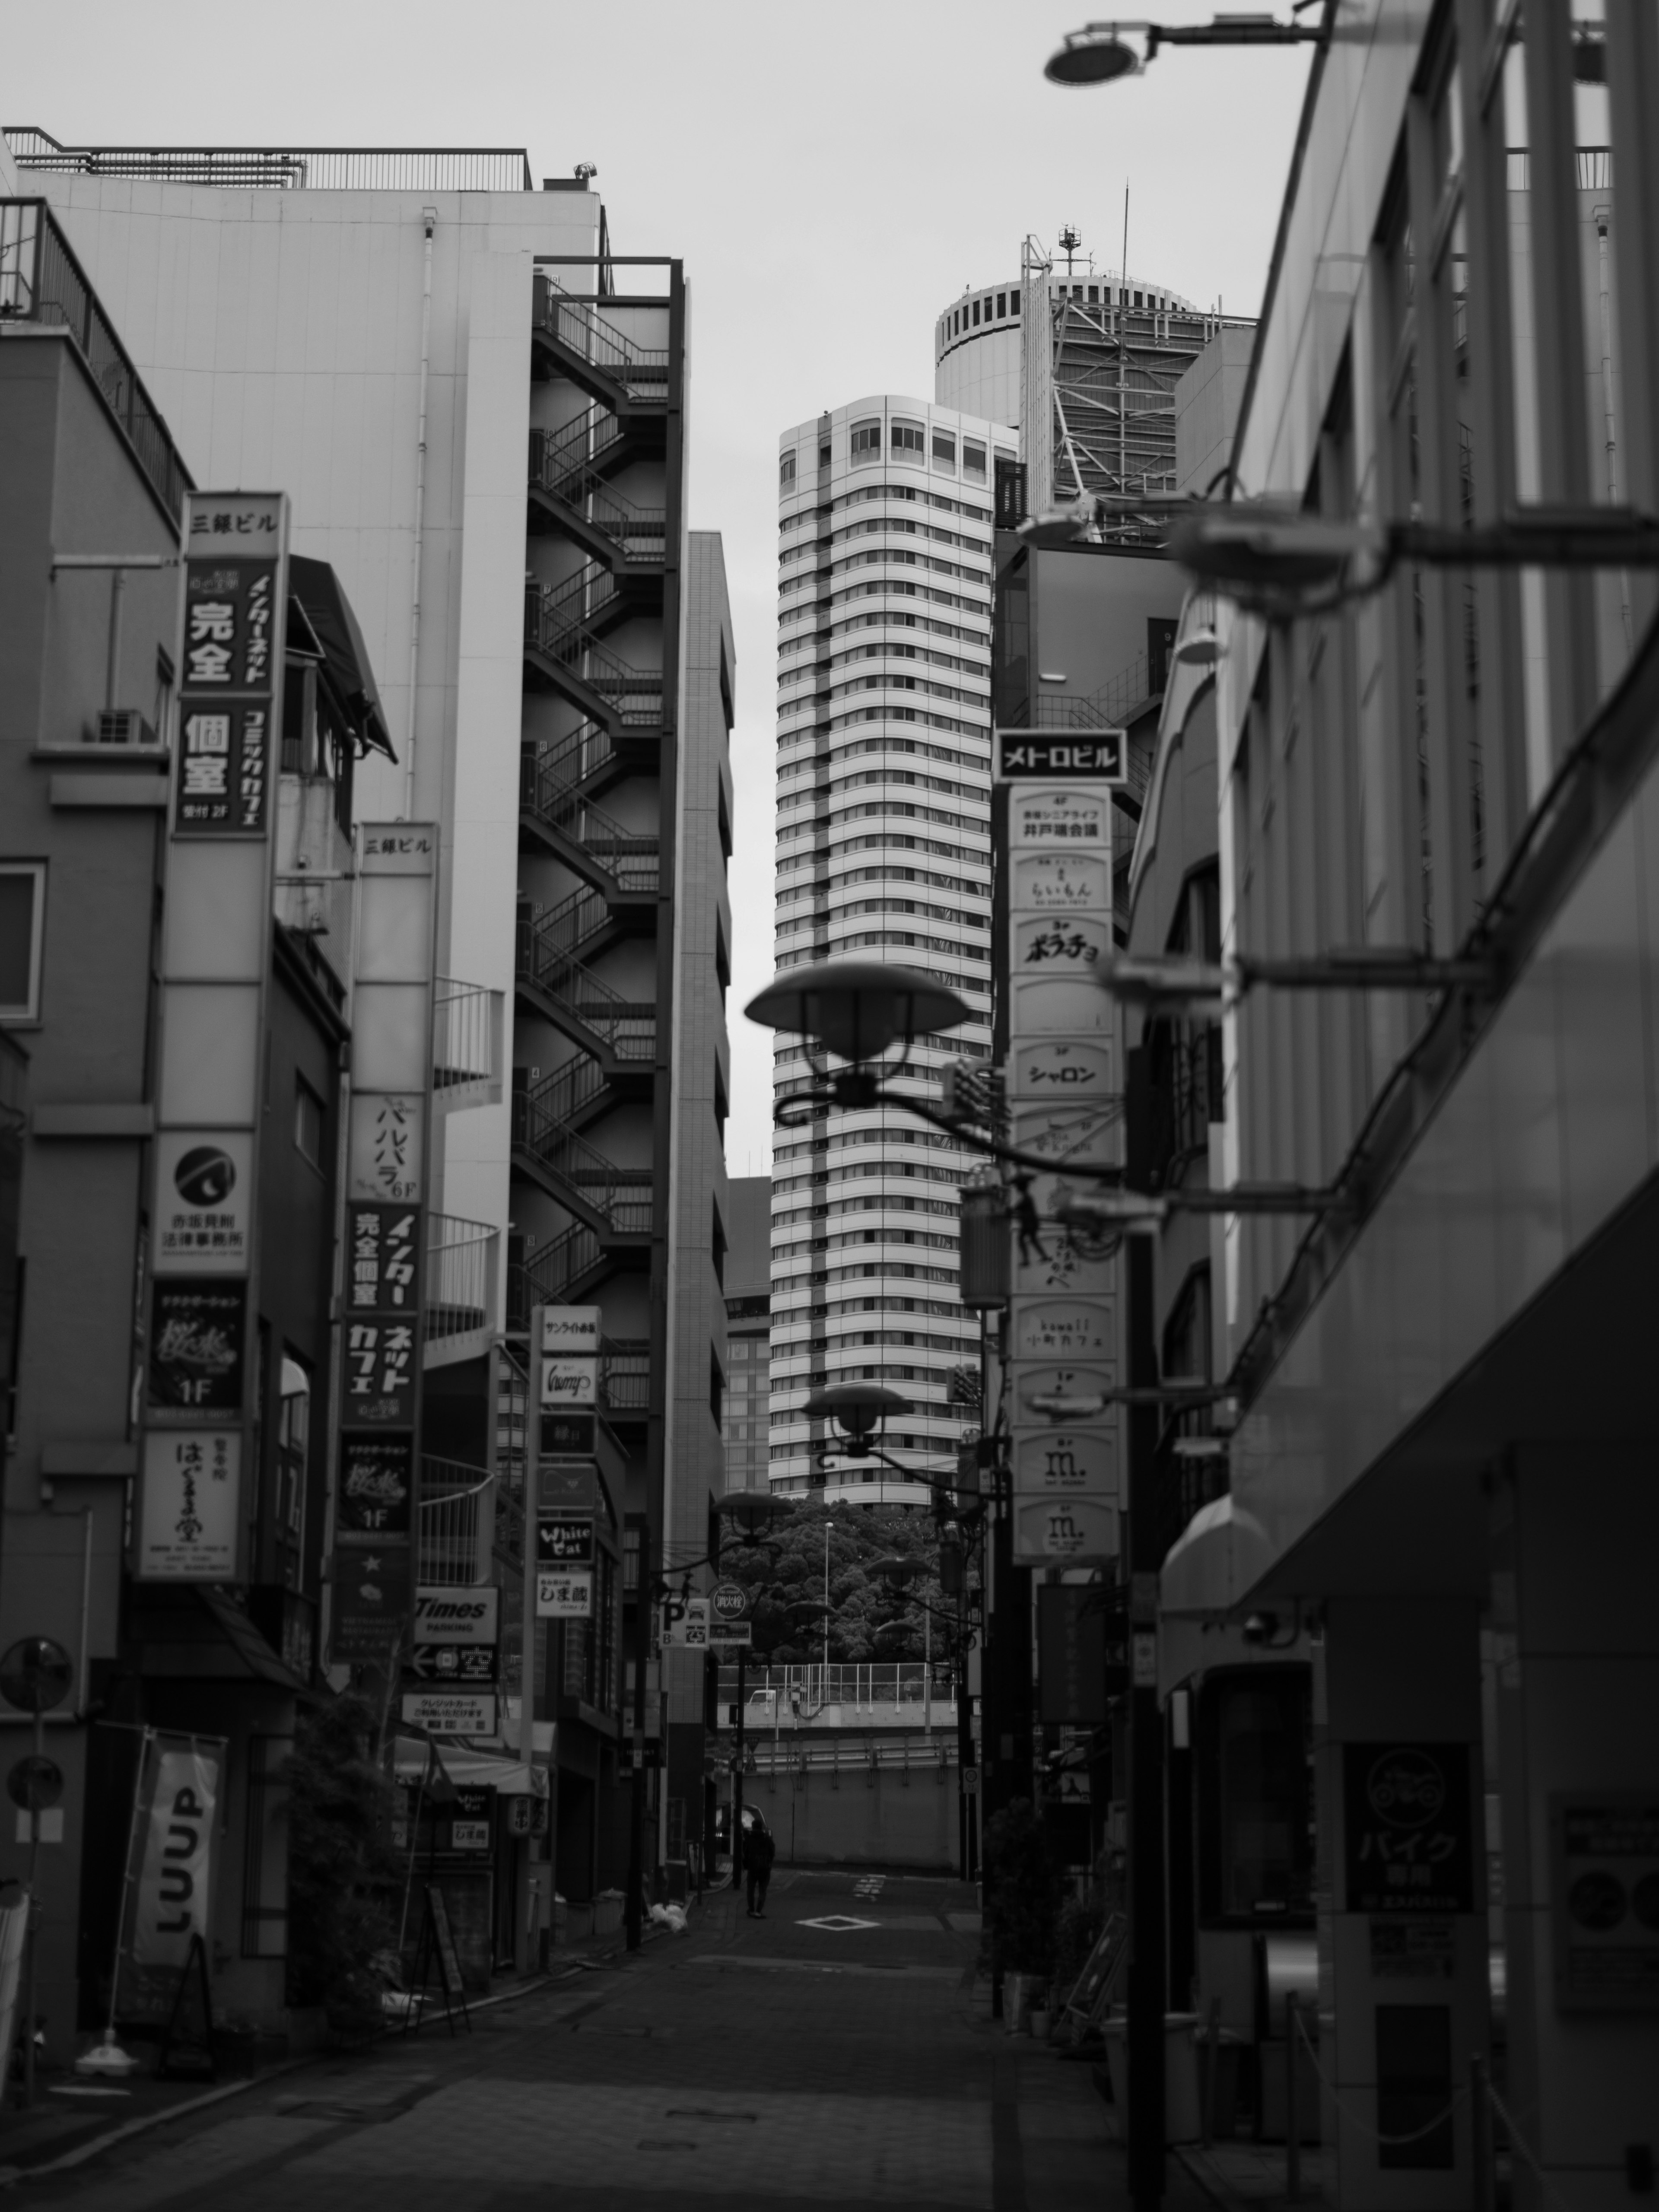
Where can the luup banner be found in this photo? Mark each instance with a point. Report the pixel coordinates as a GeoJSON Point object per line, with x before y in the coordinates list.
{"type": "Point", "coordinates": [170, 1871]}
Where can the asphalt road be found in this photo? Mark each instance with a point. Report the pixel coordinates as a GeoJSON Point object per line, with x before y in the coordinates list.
{"type": "Point", "coordinates": [836, 2055]}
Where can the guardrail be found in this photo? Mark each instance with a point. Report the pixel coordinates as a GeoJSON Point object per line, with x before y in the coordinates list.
{"type": "Point", "coordinates": [454, 1520]}
{"type": "Point", "coordinates": [466, 1043]}
{"type": "Point", "coordinates": [460, 1277]}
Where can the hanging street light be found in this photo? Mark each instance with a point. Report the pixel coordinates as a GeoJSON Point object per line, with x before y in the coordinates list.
{"type": "Point", "coordinates": [1100, 54]}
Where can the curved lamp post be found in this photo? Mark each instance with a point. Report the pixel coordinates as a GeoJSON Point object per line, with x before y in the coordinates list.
{"type": "Point", "coordinates": [856, 1011]}
{"type": "Point", "coordinates": [1101, 52]}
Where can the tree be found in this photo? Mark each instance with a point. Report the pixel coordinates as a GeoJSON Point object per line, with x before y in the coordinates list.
{"type": "Point", "coordinates": [342, 1873]}
{"type": "Point", "coordinates": [788, 1571]}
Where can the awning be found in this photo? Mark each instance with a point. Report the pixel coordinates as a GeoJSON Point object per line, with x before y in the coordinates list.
{"type": "Point", "coordinates": [328, 611]}
{"type": "Point", "coordinates": [184, 1632]}
{"type": "Point", "coordinates": [1222, 1551]}
{"type": "Point", "coordinates": [472, 1770]}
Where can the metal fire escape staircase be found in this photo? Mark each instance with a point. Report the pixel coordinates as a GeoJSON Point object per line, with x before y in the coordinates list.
{"type": "Point", "coordinates": [570, 338]}
{"type": "Point", "coordinates": [571, 493]}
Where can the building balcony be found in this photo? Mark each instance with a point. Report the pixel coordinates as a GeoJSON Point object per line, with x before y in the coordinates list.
{"type": "Point", "coordinates": [461, 1268]}
{"type": "Point", "coordinates": [41, 282]}
{"type": "Point", "coordinates": [468, 1044]}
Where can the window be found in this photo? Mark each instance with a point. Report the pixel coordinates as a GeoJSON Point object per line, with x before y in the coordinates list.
{"type": "Point", "coordinates": [293, 1436]}
{"type": "Point", "coordinates": [307, 1121]}
{"type": "Point", "coordinates": [945, 450]}
{"type": "Point", "coordinates": [740, 1349]}
{"type": "Point", "coordinates": [1255, 1855]}
{"type": "Point", "coordinates": [865, 443]}
{"type": "Point", "coordinates": [908, 439]}
{"type": "Point", "coordinates": [976, 313]}
{"type": "Point", "coordinates": [824, 454]}
{"type": "Point", "coordinates": [22, 917]}
{"type": "Point", "coordinates": [1013, 303]}
{"type": "Point", "coordinates": [1002, 305]}
{"type": "Point", "coordinates": [972, 458]}
{"type": "Point", "coordinates": [786, 471]}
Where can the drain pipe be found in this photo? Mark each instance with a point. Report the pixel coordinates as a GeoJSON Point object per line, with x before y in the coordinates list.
{"type": "Point", "coordinates": [429, 218]}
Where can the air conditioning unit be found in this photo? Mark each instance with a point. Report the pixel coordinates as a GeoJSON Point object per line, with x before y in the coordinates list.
{"type": "Point", "coordinates": [121, 726]}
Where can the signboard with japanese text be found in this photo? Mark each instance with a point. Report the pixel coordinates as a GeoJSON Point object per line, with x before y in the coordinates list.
{"type": "Point", "coordinates": [1068, 1328]}
{"type": "Point", "coordinates": [204, 1200]}
{"type": "Point", "coordinates": [1060, 882]}
{"type": "Point", "coordinates": [462, 1664]}
{"type": "Point", "coordinates": [1604, 1899]}
{"type": "Point", "coordinates": [1407, 1820]}
{"type": "Point", "coordinates": [196, 1331]}
{"type": "Point", "coordinates": [1061, 1391]}
{"type": "Point", "coordinates": [567, 1435]}
{"type": "Point", "coordinates": [399, 849]}
{"type": "Point", "coordinates": [564, 1594]}
{"type": "Point", "coordinates": [1043, 1071]}
{"type": "Point", "coordinates": [1101, 756]}
{"type": "Point", "coordinates": [214, 972]}
{"type": "Point", "coordinates": [376, 1485]}
{"type": "Point", "coordinates": [372, 1593]}
{"type": "Point", "coordinates": [383, 1259]}
{"type": "Point", "coordinates": [382, 1370]}
{"type": "Point", "coordinates": [472, 1818]}
{"type": "Point", "coordinates": [572, 1332]}
{"type": "Point", "coordinates": [386, 1150]}
{"type": "Point", "coordinates": [1065, 1103]}
{"type": "Point", "coordinates": [190, 1516]}
{"type": "Point", "coordinates": [564, 1539]}
{"type": "Point", "coordinates": [1050, 944]}
{"type": "Point", "coordinates": [228, 681]}
{"type": "Point", "coordinates": [392, 1283]}
{"type": "Point", "coordinates": [568, 1485]}
{"type": "Point", "coordinates": [1041, 814]}
{"type": "Point", "coordinates": [450, 1712]}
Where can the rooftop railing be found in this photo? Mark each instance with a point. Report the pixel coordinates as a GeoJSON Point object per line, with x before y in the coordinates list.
{"type": "Point", "coordinates": [290, 168]}
{"type": "Point", "coordinates": [41, 282]}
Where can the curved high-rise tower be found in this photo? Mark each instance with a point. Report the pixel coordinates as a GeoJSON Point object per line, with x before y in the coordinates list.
{"type": "Point", "coordinates": [884, 854]}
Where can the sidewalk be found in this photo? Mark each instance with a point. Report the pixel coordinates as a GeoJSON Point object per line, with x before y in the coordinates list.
{"type": "Point", "coordinates": [74, 2121]}
{"type": "Point", "coordinates": [1249, 2177]}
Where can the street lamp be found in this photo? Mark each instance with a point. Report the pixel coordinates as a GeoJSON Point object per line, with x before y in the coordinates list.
{"type": "Point", "coordinates": [1281, 561]}
{"type": "Point", "coordinates": [857, 1011]}
{"type": "Point", "coordinates": [753, 1513]}
{"type": "Point", "coordinates": [1100, 53]}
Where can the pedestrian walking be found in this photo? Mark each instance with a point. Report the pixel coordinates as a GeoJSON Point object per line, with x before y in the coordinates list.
{"type": "Point", "coordinates": [758, 1853]}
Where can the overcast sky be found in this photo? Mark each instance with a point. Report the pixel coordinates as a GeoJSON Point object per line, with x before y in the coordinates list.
{"type": "Point", "coordinates": [832, 177]}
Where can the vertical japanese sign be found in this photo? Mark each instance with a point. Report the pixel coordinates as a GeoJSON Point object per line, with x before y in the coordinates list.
{"type": "Point", "coordinates": [1063, 1096]}
{"type": "Point", "coordinates": [377, 1506]}
{"type": "Point", "coordinates": [201, 1286]}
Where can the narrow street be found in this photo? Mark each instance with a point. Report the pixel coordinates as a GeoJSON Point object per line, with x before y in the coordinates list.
{"type": "Point", "coordinates": [837, 2053]}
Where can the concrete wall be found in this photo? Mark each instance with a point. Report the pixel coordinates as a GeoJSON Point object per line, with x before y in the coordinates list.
{"type": "Point", "coordinates": [280, 334]}
{"type": "Point", "coordinates": [861, 1816]}
{"type": "Point", "coordinates": [1207, 401]}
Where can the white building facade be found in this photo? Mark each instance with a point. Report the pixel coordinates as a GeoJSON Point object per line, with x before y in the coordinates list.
{"type": "Point", "coordinates": [882, 854]}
